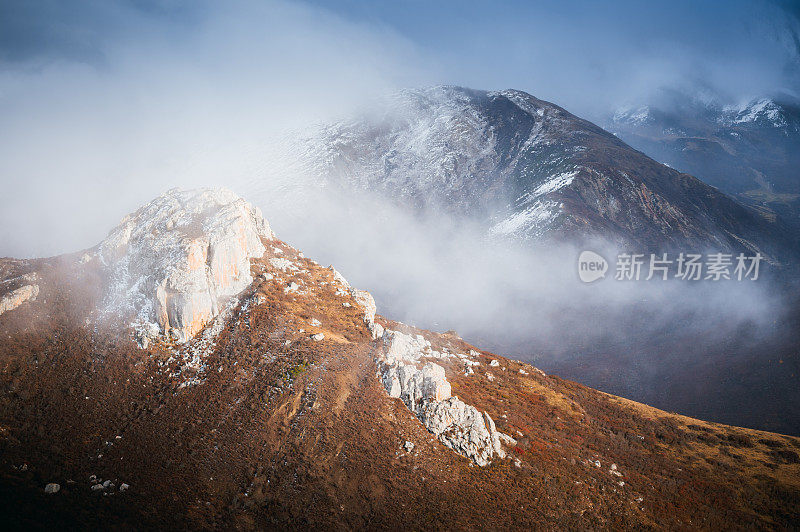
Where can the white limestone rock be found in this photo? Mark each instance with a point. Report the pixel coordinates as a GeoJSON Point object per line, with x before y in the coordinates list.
{"type": "Point", "coordinates": [282, 264]}
{"type": "Point", "coordinates": [464, 429]}
{"type": "Point", "coordinates": [17, 297]}
{"type": "Point", "coordinates": [291, 287]}
{"type": "Point", "coordinates": [367, 302]}
{"type": "Point", "coordinates": [415, 386]}
{"type": "Point", "coordinates": [428, 394]}
{"type": "Point", "coordinates": [178, 259]}
{"type": "Point", "coordinates": [363, 298]}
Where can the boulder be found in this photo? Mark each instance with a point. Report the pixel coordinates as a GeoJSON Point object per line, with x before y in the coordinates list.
{"type": "Point", "coordinates": [178, 259]}
{"type": "Point", "coordinates": [17, 297]}
{"type": "Point", "coordinates": [463, 428]}
{"type": "Point", "coordinates": [363, 298]}
{"type": "Point", "coordinates": [52, 488]}
{"type": "Point", "coordinates": [428, 394]}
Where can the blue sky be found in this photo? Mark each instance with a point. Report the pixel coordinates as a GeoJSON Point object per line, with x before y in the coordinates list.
{"type": "Point", "coordinates": [579, 53]}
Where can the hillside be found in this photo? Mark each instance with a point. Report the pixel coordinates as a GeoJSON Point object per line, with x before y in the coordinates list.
{"type": "Point", "coordinates": [293, 405]}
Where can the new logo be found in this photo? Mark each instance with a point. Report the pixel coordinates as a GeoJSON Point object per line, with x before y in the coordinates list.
{"type": "Point", "coordinates": [591, 266]}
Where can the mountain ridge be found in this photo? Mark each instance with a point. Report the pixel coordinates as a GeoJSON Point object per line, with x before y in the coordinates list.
{"type": "Point", "coordinates": [532, 171]}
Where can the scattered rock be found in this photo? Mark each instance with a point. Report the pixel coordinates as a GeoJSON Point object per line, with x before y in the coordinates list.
{"type": "Point", "coordinates": [145, 332]}
{"type": "Point", "coordinates": [315, 322]}
{"type": "Point", "coordinates": [522, 372]}
{"type": "Point", "coordinates": [494, 363]}
{"type": "Point", "coordinates": [408, 446]}
{"type": "Point", "coordinates": [508, 440]}
{"type": "Point", "coordinates": [282, 264]}
{"type": "Point", "coordinates": [291, 287]}
{"type": "Point", "coordinates": [97, 487]}
{"type": "Point", "coordinates": [318, 337]}
{"type": "Point", "coordinates": [124, 487]}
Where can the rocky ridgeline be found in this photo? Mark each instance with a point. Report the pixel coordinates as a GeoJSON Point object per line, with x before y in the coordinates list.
{"type": "Point", "coordinates": [177, 260]}
{"type": "Point", "coordinates": [427, 393]}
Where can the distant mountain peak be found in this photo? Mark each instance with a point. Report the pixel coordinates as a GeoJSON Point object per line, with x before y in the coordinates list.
{"type": "Point", "coordinates": [760, 110]}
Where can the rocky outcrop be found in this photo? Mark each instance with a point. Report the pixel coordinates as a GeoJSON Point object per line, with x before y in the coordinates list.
{"type": "Point", "coordinates": [178, 259]}
{"type": "Point", "coordinates": [464, 429]}
{"type": "Point", "coordinates": [364, 299]}
{"type": "Point", "coordinates": [427, 393]}
{"type": "Point", "coordinates": [17, 297]}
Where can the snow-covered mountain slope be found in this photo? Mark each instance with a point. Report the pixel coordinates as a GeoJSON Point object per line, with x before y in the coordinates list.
{"type": "Point", "coordinates": [750, 150]}
{"type": "Point", "coordinates": [531, 171]}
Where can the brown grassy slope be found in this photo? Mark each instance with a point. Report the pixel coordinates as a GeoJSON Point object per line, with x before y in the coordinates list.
{"type": "Point", "coordinates": [303, 434]}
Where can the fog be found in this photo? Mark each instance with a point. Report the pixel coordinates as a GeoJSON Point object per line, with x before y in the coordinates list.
{"type": "Point", "coordinates": [723, 351]}
{"type": "Point", "coordinates": [105, 105]}
{"type": "Point", "coordinates": [84, 140]}
{"type": "Point", "coordinates": [442, 271]}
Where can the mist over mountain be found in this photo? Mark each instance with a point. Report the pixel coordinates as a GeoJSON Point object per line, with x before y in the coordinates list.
{"type": "Point", "coordinates": [302, 264]}
{"type": "Point", "coordinates": [472, 208]}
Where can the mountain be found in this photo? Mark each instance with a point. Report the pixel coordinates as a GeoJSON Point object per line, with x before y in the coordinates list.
{"type": "Point", "coordinates": [749, 150]}
{"type": "Point", "coordinates": [194, 371]}
{"type": "Point", "coordinates": [532, 171]}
